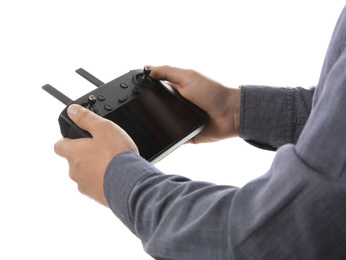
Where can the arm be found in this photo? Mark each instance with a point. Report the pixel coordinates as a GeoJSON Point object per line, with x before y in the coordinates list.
{"type": "Point", "coordinates": [289, 213]}
{"type": "Point", "coordinates": [174, 216]}
{"type": "Point", "coordinates": [295, 211]}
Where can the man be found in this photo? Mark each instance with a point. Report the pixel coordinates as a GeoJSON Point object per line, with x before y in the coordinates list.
{"type": "Point", "coordinates": [297, 210]}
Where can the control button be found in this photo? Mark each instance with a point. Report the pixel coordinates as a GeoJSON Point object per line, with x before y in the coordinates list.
{"type": "Point", "coordinates": [137, 91]}
{"type": "Point", "coordinates": [108, 107]}
{"type": "Point", "coordinates": [101, 97]}
{"type": "Point", "coordinates": [123, 99]}
{"type": "Point", "coordinates": [124, 85]}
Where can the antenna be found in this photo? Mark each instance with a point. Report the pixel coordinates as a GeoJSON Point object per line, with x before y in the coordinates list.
{"type": "Point", "coordinates": [57, 94]}
{"type": "Point", "coordinates": [89, 77]}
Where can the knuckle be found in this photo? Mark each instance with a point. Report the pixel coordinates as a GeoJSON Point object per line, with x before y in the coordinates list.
{"type": "Point", "coordinates": [166, 67]}
{"type": "Point", "coordinates": [191, 73]}
{"type": "Point", "coordinates": [73, 172]}
{"type": "Point", "coordinates": [60, 148]}
{"type": "Point", "coordinates": [165, 70]}
{"type": "Point", "coordinates": [190, 77]}
{"type": "Point", "coordinates": [72, 175]}
{"type": "Point", "coordinates": [57, 148]}
{"type": "Point", "coordinates": [81, 190]}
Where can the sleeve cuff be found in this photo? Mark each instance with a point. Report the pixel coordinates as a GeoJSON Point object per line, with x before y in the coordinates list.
{"type": "Point", "coordinates": [266, 115]}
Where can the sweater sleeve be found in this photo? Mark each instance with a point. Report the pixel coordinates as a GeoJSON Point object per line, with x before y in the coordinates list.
{"type": "Point", "coordinates": [291, 212]}
{"type": "Point", "coordinates": [294, 211]}
{"type": "Point", "coordinates": [174, 217]}
{"type": "Point", "coordinates": [271, 117]}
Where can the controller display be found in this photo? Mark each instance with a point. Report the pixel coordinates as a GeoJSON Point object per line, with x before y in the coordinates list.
{"type": "Point", "coordinates": [154, 115]}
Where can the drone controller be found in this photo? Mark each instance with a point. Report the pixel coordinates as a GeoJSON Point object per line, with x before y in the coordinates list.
{"type": "Point", "coordinates": [153, 114]}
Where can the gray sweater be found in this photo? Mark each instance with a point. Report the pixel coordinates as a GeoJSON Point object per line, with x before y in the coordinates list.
{"type": "Point", "coordinates": [297, 210]}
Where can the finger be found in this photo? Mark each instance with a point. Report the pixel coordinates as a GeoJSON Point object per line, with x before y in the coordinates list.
{"type": "Point", "coordinates": [171, 74]}
{"type": "Point", "coordinates": [61, 147]}
{"type": "Point", "coordinates": [67, 147]}
{"type": "Point", "coordinates": [84, 118]}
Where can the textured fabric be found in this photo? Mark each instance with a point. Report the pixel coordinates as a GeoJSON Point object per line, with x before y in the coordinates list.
{"type": "Point", "coordinates": [297, 210]}
{"type": "Point", "coordinates": [271, 117]}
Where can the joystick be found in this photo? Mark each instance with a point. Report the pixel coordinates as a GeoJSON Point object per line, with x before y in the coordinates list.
{"type": "Point", "coordinates": [143, 79]}
{"type": "Point", "coordinates": [146, 72]}
{"type": "Point", "coordinates": [154, 115]}
{"type": "Point", "coordinates": [91, 101]}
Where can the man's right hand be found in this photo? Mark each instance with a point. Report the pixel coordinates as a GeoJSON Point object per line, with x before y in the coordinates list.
{"type": "Point", "coordinates": [221, 103]}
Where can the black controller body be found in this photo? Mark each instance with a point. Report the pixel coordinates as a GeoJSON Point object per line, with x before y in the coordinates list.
{"type": "Point", "coordinates": [156, 116]}
{"type": "Point", "coordinates": [109, 97]}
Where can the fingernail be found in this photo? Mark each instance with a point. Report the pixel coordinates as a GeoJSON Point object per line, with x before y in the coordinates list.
{"type": "Point", "coordinates": [73, 110]}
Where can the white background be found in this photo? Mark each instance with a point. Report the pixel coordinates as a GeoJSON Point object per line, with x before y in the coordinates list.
{"type": "Point", "coordinates": [43, 216]}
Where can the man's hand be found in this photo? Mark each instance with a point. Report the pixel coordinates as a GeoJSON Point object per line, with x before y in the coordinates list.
{"type": "Point", "coordinates": [221, 103]}
{"type": "Point", "coordinates": [88, 157]}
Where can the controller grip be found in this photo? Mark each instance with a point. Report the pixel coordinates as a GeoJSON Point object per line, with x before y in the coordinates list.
{"type": "Point", "coordinates": [69, 129]}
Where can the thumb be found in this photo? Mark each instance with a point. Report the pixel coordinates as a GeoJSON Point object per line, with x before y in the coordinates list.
{"type": "Point", "coordinates": [84, 118]}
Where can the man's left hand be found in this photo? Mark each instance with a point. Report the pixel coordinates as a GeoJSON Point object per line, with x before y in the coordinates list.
{"type": "Point", "coordinates": [88, 158]}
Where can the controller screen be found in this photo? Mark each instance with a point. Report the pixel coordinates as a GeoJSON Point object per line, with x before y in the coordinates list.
{"type": "Point", "coordinates": [156, 120]}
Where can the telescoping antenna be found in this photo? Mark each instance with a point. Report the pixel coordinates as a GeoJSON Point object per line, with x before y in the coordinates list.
{"type": "Point", "coordinates": [57, 94]}
{"type": "Point", "coordinates": [62, 97]}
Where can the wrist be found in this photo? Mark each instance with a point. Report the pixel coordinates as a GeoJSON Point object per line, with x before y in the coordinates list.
{"type": "Point", "coordinates": [235, 103]}
{"type": "Point", "coordinates": [229, 113]}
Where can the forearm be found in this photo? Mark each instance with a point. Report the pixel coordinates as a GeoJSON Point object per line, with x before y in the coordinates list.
{"type": "Point", "coordinates": [277, 215]}
{"type": "Point", "coordinates": [174, 217]}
